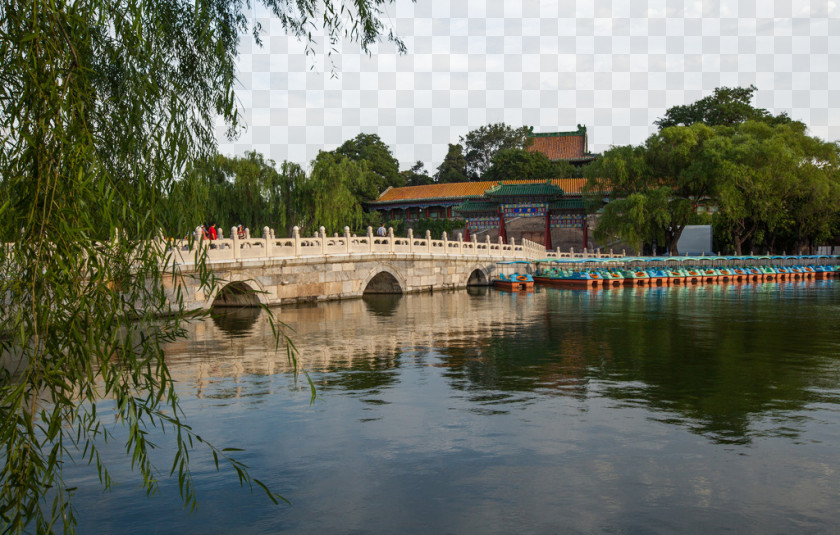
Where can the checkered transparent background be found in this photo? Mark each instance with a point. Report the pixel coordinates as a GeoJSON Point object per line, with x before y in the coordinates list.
{"type": "Point", "coordinates": [612, 65]}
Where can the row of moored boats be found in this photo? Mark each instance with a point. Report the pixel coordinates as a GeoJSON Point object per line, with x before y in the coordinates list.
{"type": "Point", "coordinates": [663, 271]}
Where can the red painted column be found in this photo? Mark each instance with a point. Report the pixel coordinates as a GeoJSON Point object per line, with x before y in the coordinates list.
{"type": "Point", "coordinates": [547, 239]}
{"type": "Point", "coordinates": [585, 233]}
{"type": "Point", "coordinates": [502, 230]}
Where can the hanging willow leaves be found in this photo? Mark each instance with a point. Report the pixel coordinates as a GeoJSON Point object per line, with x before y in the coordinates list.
{"type": "Point", "coordinates": [103, 104]}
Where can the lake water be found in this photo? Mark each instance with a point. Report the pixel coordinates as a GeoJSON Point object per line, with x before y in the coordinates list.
{"type": "Point", "coordinates": [654, 410]}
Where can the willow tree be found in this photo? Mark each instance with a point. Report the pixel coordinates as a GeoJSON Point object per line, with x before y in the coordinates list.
{"type": "Point", "coordinates": [668, 177]}
{"type": "Point", "coordinates": [249, 190]}
{"type": "Point", "coordinates": [102, 105]}
{"type": "Point", "coordinates": [328, 197]}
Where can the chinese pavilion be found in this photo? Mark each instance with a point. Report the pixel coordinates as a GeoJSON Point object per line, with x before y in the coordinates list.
{"type": "Point", "coordinates": [487, 206]}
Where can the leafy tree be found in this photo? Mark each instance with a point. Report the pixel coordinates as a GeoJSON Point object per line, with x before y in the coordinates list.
{"type": "Point", "coordinates": [728, 106]}
{"type": "Point", "coordinates": [247, 190]}
{"type": "Point", "coordinates": [510, 164]}
{"type": "Point", "coordinates": [381, 163]}
{"type": "Point", "coordinates": [670, 161]}
{"type": "Point", "coordinates": [483, 143]}
{"type": "Point", "coordinates": [328, 197]}
{"type": "Point", "coordinates": [417, 176]}
{"type": "Point", "coordinates": [438, 226]}
{"type": "Point", "coordinates": [454, 166]}
{"type": "Point", "coordinates": [777, 181]}
{"type": "Point", "coordinates": [102, 106]}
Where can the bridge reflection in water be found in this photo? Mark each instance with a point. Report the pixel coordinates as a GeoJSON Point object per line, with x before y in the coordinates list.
{"type": "Point", "coordinates": [680, 350]}
{"type": "Point", "coordinates": [704, 408]}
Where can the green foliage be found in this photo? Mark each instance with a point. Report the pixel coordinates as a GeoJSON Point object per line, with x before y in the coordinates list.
{"type": "Point", "coordinates": [381, 164]}
{"type": "Point", "coordinates": [437, 227]}
{"type": "Point", "coordinates": [728, 106]}
{"type": "Point", "coordinates": [103, 105]}
{"type": "Point", "coordinates": [672, 161]}
{"type": "Point", "coordinates": [416, 176]}
{"type": "Point", "coordinates": [245, 190]}
{"type": "Point", "coordinates": [780, 184]}
{"type": "Point", "coordinates": [328, 197]}
{"type": "Point", "coordinates": [483, 143]}
{"type": "Point", "coordinates": [773, 187]}
{"type": "Point", "coordinates": [513, 164]}
{"type": "Point", "coordinates": [454, 166]}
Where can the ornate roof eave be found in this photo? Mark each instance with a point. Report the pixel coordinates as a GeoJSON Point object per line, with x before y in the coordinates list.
{"type": "Point", "coordinates": [544, 189]}
{"type": "Point", "coordinates": [434, 200]}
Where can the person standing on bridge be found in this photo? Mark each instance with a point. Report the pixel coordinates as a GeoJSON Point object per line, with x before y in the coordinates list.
{"type": "Point", "coordinates": [381, 231]}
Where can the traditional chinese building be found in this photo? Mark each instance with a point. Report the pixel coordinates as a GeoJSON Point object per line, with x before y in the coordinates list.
{"type": "Point", "coordinates": [488, 208]}
{"type": "Point", "coordinates": [572, 147]}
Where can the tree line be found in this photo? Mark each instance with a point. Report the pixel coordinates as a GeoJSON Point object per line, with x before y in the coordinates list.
{"type": "Point", "coordinates": [762, 181]}
{"type": "Point", "coordinates": [254, 191]}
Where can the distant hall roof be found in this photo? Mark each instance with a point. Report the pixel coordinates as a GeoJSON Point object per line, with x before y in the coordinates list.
{"type": "Point", "coordinates": [569, 146]}
{"type": "Point", "coordinates": [464, 190]}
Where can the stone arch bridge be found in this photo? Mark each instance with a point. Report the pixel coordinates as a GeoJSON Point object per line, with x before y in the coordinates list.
{"type": "Point", "coordinates": [275, 271]}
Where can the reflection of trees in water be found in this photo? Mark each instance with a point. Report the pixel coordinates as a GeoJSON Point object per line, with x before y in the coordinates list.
{"type": "Point", "coordinates": [717, 359]}
{"type": "Point", "coordinates": [723, 360]}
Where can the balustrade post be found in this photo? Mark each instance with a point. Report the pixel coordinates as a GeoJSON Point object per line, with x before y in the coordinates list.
{"type": "Point", "coordinates": [411, 240]}
{"type": "Point", "coordinates": [460, 244]}
{"type": "Point", "coordinates": [323, 235]}
{"type": "Point", "coordinates": [391, 247]}
{"type": "Point", "coordinates": [268, 241]}
{"type": "Point", "coordinates": [235, 237]}
{"type": "Point", "coordinates": [487, 242]}
{"type": "Point", "coordinates": [445, 241]}
{"type": "Point", "coordinates": [611, 252]}
{"type": "Point", "coordinates": [429, 241]}
{"type": "Point", "coordinates": [296, 237]}
{"type": "Point", "coordinates": [247, 233]}
{"type": "Point", "coordinates": [273, 235]}
{"type": "Point", "coordinates": [347, 240]}
{"type": "Point", "coordinates": [571, 252]}
{"type": "Point", "coordinates": [370, 239]}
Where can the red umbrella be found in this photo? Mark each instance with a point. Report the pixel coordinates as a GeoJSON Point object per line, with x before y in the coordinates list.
{"type": "Point", "coordinates": [547, 240]}
{"type": "Point", "coordinates": [502, 231]}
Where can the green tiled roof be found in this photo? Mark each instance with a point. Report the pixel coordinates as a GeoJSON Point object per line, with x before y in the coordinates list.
{"type": "Point", "coordinates": [567, 204]}
{"type": "Point", "coordinates": [476, 207]}
{"type": "Point", "coordinates": [511, 190]}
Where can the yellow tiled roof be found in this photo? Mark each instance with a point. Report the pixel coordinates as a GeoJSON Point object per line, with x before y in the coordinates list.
{"type": "Point", "coordinates": [570, 186]}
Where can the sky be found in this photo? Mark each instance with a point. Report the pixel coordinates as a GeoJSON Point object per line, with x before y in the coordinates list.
{"type": "Point", "coordinates": [613, 66]}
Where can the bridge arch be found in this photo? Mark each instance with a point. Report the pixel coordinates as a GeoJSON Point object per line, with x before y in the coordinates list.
{"type": "Point", "coordinates": [478, 277]}
{"type": "Point", "coordinates": [384, 279]}
{"type": "Point", "coordinates": [239, 293]}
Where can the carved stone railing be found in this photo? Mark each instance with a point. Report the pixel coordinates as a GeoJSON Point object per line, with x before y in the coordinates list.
{"type": "Point", "coordinates": [236, 249]}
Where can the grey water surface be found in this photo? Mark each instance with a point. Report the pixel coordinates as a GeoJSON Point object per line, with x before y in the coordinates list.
{"type": "Point", "coordinates": [661, 410]}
